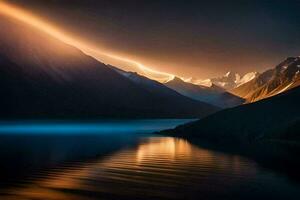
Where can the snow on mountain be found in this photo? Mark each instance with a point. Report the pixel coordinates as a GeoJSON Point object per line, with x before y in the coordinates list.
{"type": "Point", "coordinates": [246, 78]}
{"type": "Point", "coordinates": [228, 81]}
{"type": "Point", "coordinates": [205, 82]}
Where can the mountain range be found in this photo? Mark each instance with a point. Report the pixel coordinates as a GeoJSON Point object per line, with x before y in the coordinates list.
{"type": "Point", "coordinates": [214, 94]}
{"type": "Point", "coordinates": [228, 81]}
{"type": "Point", "coordinates": [274, 81]}
{"type": "Point", "coordinates": [42, 77]}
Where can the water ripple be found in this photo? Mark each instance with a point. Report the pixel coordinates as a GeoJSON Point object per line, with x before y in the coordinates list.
{"type": "Point", "coordinates": [158, 168]}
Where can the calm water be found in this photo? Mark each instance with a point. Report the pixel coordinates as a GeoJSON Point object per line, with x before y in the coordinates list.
{"type": "Point", "coordinates": [121, 160]}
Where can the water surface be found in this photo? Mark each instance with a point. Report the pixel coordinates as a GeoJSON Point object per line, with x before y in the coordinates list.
{"type": "Point", "coordinates": [99, 164]}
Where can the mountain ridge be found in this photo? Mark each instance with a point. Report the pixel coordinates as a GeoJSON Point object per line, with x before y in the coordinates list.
{"type": "Point", "coordinates": [273, 81]}
{"type": "Point", "coordinates": [42, 77]}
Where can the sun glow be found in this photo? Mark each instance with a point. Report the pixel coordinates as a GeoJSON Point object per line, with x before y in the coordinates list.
{"type": "Point", "coordinates": [32, 20]}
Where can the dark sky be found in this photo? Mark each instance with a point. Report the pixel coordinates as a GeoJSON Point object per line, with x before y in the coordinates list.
{"type": "Point", "coordinates": [188, 38]}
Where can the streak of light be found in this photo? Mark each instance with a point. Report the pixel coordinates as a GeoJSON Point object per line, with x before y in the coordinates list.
{"type": "Point", "coordinates": [32, 20]}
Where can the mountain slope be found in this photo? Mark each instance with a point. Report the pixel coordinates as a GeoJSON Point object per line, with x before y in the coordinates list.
{"type": "Point", "coordinates": [213, 95]}
{"type": "Point", "coordinates": [158, 88]}
{"type": "Point", "coordinates": [43, 77]}
{"type": "Point", "coordinates": [276, 117]}
{"type": "Point", "coordinates": [283, 77]}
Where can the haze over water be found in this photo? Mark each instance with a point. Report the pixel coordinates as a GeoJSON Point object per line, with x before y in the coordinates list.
{"type": "Point", "coordinates": [129, 165]}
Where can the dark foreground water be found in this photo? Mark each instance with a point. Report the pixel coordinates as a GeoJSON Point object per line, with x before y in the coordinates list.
{"type": "Point", "coordinates": [121, 160]}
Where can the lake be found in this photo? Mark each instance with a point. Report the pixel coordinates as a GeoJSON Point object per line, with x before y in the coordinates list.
{"type": "Point", "coordinates": [124, 160]}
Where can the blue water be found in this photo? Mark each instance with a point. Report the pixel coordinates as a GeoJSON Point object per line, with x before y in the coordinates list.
{"type": "Point", "coordinates": [95, 127]}
{"type": "Point", "coordinates": [123, 160]}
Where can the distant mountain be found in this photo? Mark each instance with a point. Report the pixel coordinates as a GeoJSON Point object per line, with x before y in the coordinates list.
{"type": "Point", "coordinates": [283, 77]}
{"type": "Point", "coordinates": [277, 117]}
{"type": "Point", "coordinates": [228, 81]}
{"type": "Point", "coordinates": [164, 89]}
{"type": "Point", "coordinates": [213, 95]}
{"type": "Point", "coordinates": [42, 77]}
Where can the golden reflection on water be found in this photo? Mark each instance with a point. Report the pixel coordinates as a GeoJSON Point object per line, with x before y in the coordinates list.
{"type": "Point", "coordinates": [156, 168]}
{"type": "Point", "coordinates": [168, 147]}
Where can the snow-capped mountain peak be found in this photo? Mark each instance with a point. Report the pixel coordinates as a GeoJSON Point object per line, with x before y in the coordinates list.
{"type": "Point", "coordinates": [246, 78]}
{"type": "Point", "coordinates": [227, 74]}
{"type": "Point", "coordinates": [232, 80]}
{"type": "Point", "coordinates": [228, 81]}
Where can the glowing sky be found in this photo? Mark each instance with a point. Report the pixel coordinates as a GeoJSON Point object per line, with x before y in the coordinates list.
{"type": "Point", "coordinates": [186, 38]}
{"type": "Point", "coordinates": [102, 55]}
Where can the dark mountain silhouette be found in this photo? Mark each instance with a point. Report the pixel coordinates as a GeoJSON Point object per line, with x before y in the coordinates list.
{"type": "Point", "coordinates": [283, 77]}
{"type": "Point", "coordinates": [41, 76]}
{"type": "Point", "coordinates": [277, 117]}
{"type": "Point", "coordinates": [213, 95]}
